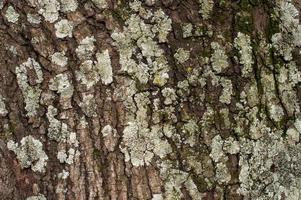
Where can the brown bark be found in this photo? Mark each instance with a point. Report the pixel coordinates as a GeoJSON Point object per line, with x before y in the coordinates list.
{"type": "Point", "coordinates": [102, 170]}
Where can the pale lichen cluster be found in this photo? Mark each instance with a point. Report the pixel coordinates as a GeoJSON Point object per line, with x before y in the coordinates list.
{"type": "Point", "coordinates": [30, 153]}
{"type": "Point", "coordinates": [150, 62]}
{"type": "Point", "coordinates": [192, 126]}
{"type": "Point", "coordinates": [30, 88]}
{"type": "Point", "coordinates": [37, 197]}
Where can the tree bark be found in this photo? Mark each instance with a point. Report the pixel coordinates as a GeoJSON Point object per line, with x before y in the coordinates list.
{"type": "Point", "coordinates": [150, 100]}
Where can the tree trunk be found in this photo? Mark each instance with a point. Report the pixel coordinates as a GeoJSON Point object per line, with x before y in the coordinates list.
{"type": "Point", "coordinates": [150, 100]}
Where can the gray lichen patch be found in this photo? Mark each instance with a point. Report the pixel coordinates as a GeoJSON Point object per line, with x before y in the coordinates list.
{"type": "Point", "coordinates": [30, 88]}
{"type": "Point", "coordinates": [69, 157]}
{"type": "Point", "coordinates": [141, 144]}
{"type": "Point", "coordinates": [170, 95]}
{"type": "Point", "coordinates": [88, 104]}
{"type": "Point", "coordinates": [182, 55]}
{"type": "Point", "coordinates": [227, 91]}
{"type": "Point", "coordinates": [290, 29]}
{"type": "Point", "coordinates": [68, 5]}
{"type": "Point", "coordinates": [49, 9]}
{"type": "Point", "coordinates": [63, 28]}
{"type": "Point", "coordinates": [256, 175]}
{"type": "Point", "coordinates": [243, 44]}
{"type": "Point", "coordinates": [86, 48]}
{"type": "Point", "coordinates": [33, 18]}
{"type": "Point", "coordinates": [11, 15]}
{"type": "Point", "coordinates": [206, 7]}
{"type": "Point", "coordinates": [3, 110]}
{"type": "Point", "coordinates": [110, 137]}
{"type": "Point", "coordinates": [101, 4]}
{"type": "Point", "coordinates": [219, 59]}
{"type": "Point", "coordinates": [157, 197]}
{"type": "Point", "coordinates": [88, 74]}
{"type": "Point", "coordinates": [37, 197]}
{"type": "Point", "coordinates": [58, 130]}
{"type": "Point", "coordinates": [59, 59]}
{"type": "Point", "coordinates": [63, 175]}
{"type": "Point", "coordinates": [62, 85]}
{"type": "Point", "coordinates": [104, 67]}
{"type": "Point", "coordinates": [30, 153]}
{"type": "Point", "coordinates": [140, 35]}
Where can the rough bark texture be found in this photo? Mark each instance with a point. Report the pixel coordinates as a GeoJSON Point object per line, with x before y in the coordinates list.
{"type": "Point", "coordinates": [150, 99]}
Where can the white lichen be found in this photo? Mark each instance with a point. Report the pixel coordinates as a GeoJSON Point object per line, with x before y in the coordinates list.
{"type": "Point", "coordinates": [157, 197]}
{"type": "Point", "coordinates": [227, 91]}
{"type": "Point", "coordinates": [69, 157]}
{"type": "Point", "coordinates": [30, 153]}
{"type": "Point", "coordinates": [104, 67]}
{"type": "Point", "coordinates": [290, 29]}
{"type": "Point", "coordinates": [37, 197]}
{"type": "Point", "coordinates": [59, 59]}
{"type": "Point", "coordinates": [62, 85]}
{"type": "Point", "coordinates": [3, 110]}
{"type": "Point", "coordinates": [276, 112]}
{"type": "Point", "coordinates": [48, 9]}
{"type": "Point", "coordinates": [31, 93]}
{"type": "Point", "coordinates": [243, 44]}
{"type": "Point", "coordinates": [69, 5]}
{"type": "Point", "coordinates": [33, 18]}
{"type": "Point", "coordinates": [63, 175]}
{"type": "Point", "coordinates": [110, 137]}
{"type": "Point", "coordinates": [206, 7]}
{"type": "Point", "coordinates": [58, 130]}
{"type": "Point", "coordinates": [187, 30]}
{"type": "Point", "coordinates": [11, 15]}
{"type": "Point", "coordinates": [137, 34]}
{"type": "Point", "coordinates": [63, 28]}
{"type": "Point", "coordinates": [88, 74]}
{"type": "Point", "coordinates": [101, 4]}
{"type": "Point", "coordinates": [219, 59]}
{"type": "Point", "coordinates": [88, 104]}
{"type": "Point", "coordinates": [162, 25]}
{"type": "Point", "coordinates": [182, 55]}
{"type": "Point", "coordinates": [170, 95]}
{"type": "Point", "coordinates": [86, 48]}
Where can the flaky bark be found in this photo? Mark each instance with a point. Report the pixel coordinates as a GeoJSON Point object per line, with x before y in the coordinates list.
{"type": "Point", "coordinates": [150, 100]}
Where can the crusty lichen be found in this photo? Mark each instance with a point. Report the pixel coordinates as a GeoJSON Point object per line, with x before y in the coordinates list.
{"type": "Point", "coordinates": [3, 110]}
{"type": "Point", "coordinates": [206, 7]}
{"type": "Point", "coordinates": [31, 92]}
{"type": "Point", "coordinates": [63, 157]}
{"type": "Point", "coordinates": [88, 104]}
{"type": "Point", "coordinates": [86, 48]}
{"type": "Point", "coordinates": [219, 58]}
{"type": "Point", "coordinates": [62, 85]}
{"type": "Point", "coordinates": [290, 29]}
{"type": "Point", "coordinates": [151, 62]}
{"type": "Point", "coordinates": [243, 44]}
{"type": "Point", "coordinates": [141, 143]}
{"type": "Point", "coordinates": [101, 4]}
{"type": "Point", "coordinates": [48, 9]}
{"type": "Point", "coordinates": [104, 67]}
{"type": "Point", "coordinates": [11, 15]}
{"type": "Point", "coordinates": [30, 153]}
{"type": "Point", "coordinates": [63, 28]}
{"type": "Point", "coordinates": [37, 197]}
{"type": "Point", "coordinates": [59, 59]}
{"type": "Point", "coordinates": [182, 55]}
{"type": "Point", "coordinates": [33, 18]}
{"type": "Point", "coordinates": [69, 5]}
